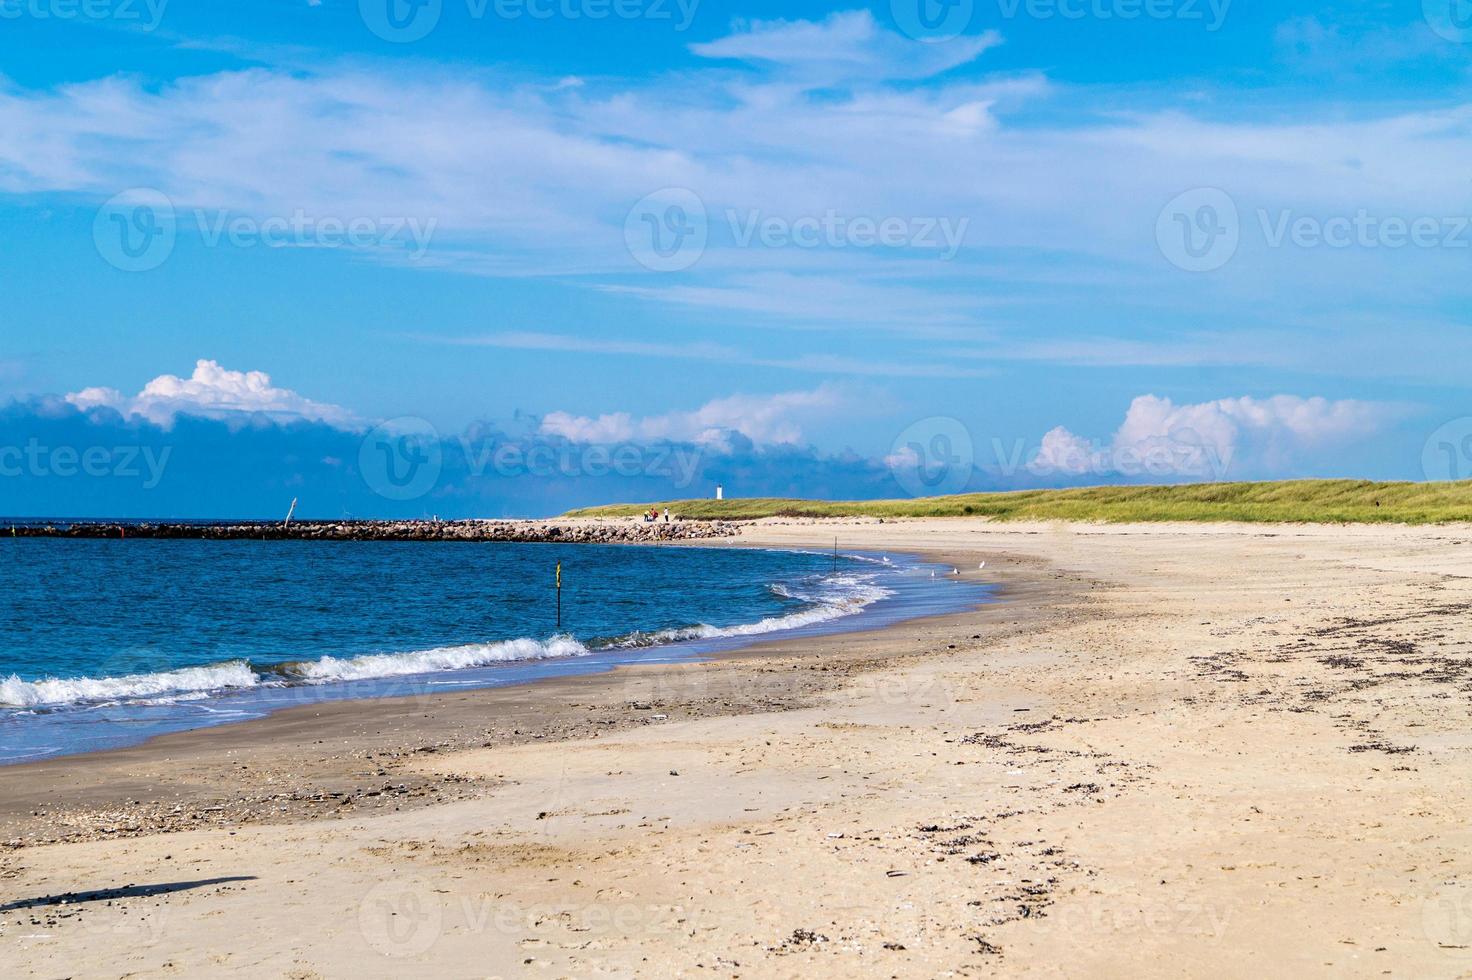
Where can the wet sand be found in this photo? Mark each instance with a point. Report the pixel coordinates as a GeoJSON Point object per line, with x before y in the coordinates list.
{"type": "Point", "coordinates": [1217, 751]}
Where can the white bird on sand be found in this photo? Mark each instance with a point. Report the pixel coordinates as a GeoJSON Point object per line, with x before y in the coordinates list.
{"type": "Point", "coordinates": [982, 565]}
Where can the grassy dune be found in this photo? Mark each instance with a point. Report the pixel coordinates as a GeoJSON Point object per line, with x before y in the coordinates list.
{"type": "Point", "coordinates": [1306, 501]}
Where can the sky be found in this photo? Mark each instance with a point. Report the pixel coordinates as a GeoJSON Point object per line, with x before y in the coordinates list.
{"type": "Point", "coordinates": [506, 257]}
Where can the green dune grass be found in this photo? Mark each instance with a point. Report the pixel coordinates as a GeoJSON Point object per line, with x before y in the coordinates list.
{"type": "Point", "coordinates": [1299, 501]}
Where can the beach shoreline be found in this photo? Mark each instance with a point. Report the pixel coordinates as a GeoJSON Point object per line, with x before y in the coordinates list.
{"type": "Point", "coordinates": [1211, 751]}
{"type": "Point", "coordinates": [97, 794]}
{"type": "Point", "coordinates": [100, 712]}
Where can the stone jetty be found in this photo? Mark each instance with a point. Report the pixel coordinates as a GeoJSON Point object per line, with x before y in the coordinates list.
{"type": "Point", "coordinates": [630, 531]}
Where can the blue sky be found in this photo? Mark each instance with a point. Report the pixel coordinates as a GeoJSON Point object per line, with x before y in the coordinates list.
{"type": "Point", "coordinates": [822, 249]}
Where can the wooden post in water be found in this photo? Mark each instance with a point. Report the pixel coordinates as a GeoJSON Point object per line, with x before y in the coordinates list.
{"type": "Point", "coordinates": [559, 596]}
{"type": "Point", "coordinates": [835, 556]}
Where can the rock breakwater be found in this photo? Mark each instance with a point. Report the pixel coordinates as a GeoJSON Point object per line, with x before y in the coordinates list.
{"type": "Point", "coordinates": [569, 532]}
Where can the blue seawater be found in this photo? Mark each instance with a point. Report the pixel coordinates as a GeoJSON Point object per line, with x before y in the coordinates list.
{"type": "Point", "coordinates": [103, 643]}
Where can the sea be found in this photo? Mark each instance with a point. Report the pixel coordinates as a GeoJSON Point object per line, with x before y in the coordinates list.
{"type": "Point", "coordinates": [106, 643]}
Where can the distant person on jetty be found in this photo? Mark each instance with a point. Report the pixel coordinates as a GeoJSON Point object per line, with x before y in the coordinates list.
{"type": "Point", "coordinates": [666, 515]}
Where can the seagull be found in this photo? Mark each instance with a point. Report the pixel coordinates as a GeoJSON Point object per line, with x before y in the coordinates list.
{"type": "Point", "coordinates": [982, 565]}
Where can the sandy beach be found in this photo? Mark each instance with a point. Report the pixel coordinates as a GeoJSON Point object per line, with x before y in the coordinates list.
{"type": "Point", "coordinates": [1214, 750]}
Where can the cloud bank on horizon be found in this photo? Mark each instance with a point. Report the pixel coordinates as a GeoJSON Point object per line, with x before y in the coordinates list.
{"type": "Point", "coordinates": [794, 246]}
{"type": "Point", "coordinates": [226, 443]}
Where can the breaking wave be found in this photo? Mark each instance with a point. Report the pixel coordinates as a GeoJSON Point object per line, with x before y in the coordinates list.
{"type": "Point", "coordinates": [824, 598]}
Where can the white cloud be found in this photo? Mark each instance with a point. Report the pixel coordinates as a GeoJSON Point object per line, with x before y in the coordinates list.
{"type": "Point", "coordinates": [760, 418]}
{"type": "Point", "coordinates": [567, 343]}
{"type": "Point", "coordinates": [845, 45]}
{"type": "Point", "coordinates": [1063, 452]}
{"type": "Point", "coordinates": [810, 363]}
{"type": "Point", "coordinates": [815, 299]}
{"type": "Point", "coordinates": [531, 176]}
{"type": "Point", "coordinates": [213, 392]}
{"type": "Point", "coordinates": [1159, 438]}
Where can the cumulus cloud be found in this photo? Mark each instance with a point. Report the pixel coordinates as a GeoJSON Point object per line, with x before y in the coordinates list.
{"type": "Point", "coordinates": [1206, 440]}
{"type": "Point", "coordinates": [1063, 452]}
{"type": "Point", "coordinates": [762, 419]}
{"type": "Point", "coordinates": [213, 392]}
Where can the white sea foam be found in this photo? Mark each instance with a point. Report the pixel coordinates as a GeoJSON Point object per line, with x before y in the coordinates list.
{"type": "Point", "coordinates": [429, 661]}
{"type": "Point", "coordinates": [831, 598]}
{"type": "Point", "coordinates": [133, 687]}
{"type": "Point", "coordinates": [827, 598]}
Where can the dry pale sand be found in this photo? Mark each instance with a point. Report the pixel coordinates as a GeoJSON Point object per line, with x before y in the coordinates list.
{"type": "Point", "coordinates": [1201, 751]}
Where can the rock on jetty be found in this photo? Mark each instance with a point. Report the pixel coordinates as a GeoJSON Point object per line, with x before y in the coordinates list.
{"type": "Point", "coordinates": [570, 532]}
